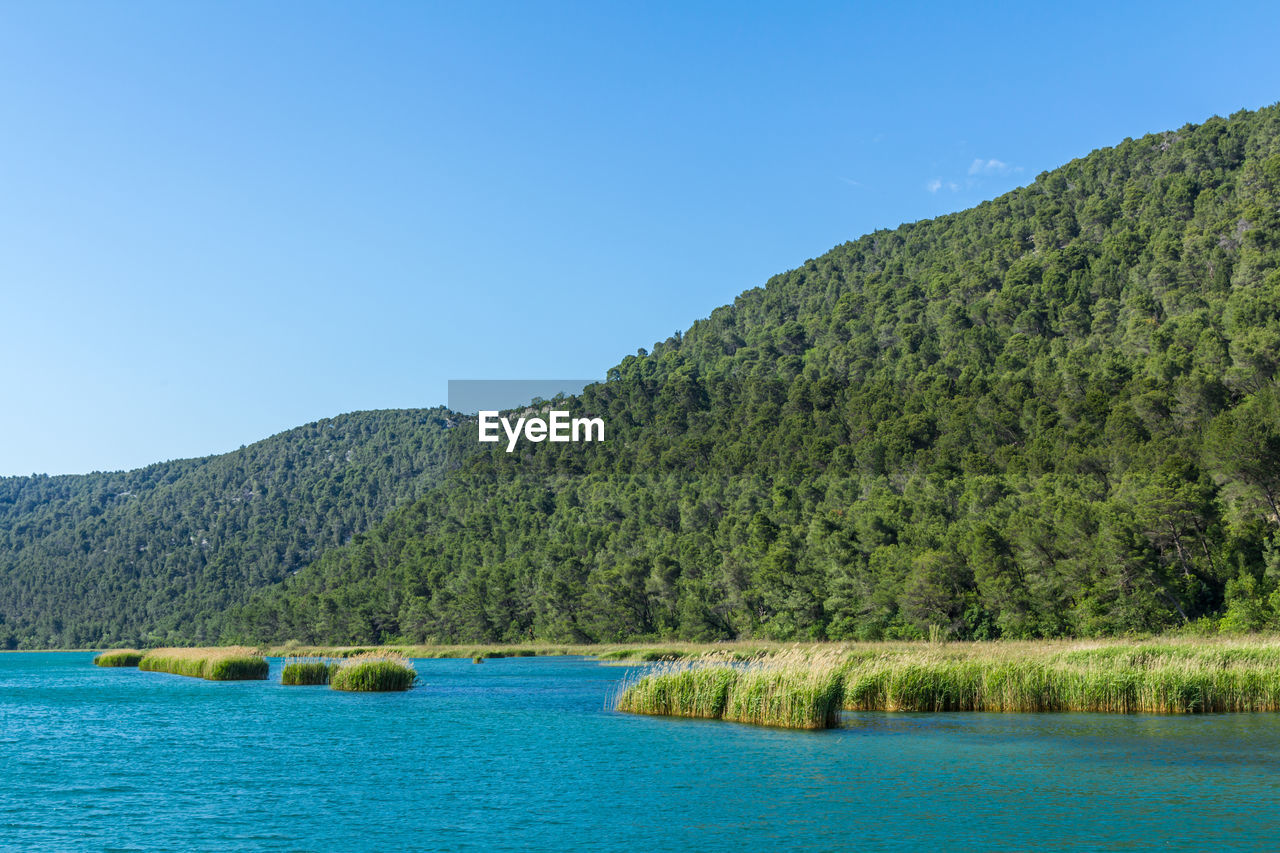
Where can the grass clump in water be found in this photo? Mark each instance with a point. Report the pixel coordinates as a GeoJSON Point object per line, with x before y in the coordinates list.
{"type": "Point", "coordinates": [793, 690]}
{"type": "Point", "coordinates": [677, 690]}
{"type": "Point", "coordinates": [789, 693]}
{"type": "Point", "coordinates": [118, 657]}
{"type": "Point", "coordinates": [304, 672]}
{"type": "Point", "coordinates": [232, 663]}
{"type": "Point", "coordinates": [373, 672]}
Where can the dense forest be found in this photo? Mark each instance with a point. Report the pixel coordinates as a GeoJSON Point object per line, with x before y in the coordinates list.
{"type": "Point", "coordinates": [159, 554]}
{"type": "Point", "coordinates": [1056, 413]}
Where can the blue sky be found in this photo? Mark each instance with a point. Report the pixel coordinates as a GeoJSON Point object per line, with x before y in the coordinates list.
{"type": "Point", "coordinates": [222, 220]}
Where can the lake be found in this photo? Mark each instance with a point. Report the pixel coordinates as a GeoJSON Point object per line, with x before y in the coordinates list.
{"type": "Point", "coordinates": [524, 753]}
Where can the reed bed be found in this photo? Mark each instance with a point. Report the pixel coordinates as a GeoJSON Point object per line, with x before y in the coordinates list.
{"type": "Point", "coordinates": [680, 690]}
{"type": "Point", "coordinates": [230, 663]}
{"type": "Point", "coordinates": [795, 690]}
{"type": "Point", "coordinates": [1151, 677]}
{"type": "Point", "coordinates": [789, 693]}
{"type": "Point", "coordinates": [806, 687]}
{"type": "Point", "coordinates": [118, 657]}
{"type": "Point", "coordinates": [306, 671]}
{"type": "Point", "coordinates": [373, 672]}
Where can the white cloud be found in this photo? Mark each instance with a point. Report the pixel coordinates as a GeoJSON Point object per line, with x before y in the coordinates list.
{"type": "Point", "coordinates": [992, 167]}
{"type": "Point", "coordinates": [979, 169]}
{"type": "Point", "coordinates": [989, 167]}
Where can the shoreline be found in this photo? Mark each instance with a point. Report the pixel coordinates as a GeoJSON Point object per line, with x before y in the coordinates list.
{"type": "Point", "coordinates": [657, 650]}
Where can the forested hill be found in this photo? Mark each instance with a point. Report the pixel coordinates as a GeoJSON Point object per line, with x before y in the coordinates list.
{"type": "Point", "coordinates": [160, 553]}
{"type": "Point", "coordinates": [1055, 413]}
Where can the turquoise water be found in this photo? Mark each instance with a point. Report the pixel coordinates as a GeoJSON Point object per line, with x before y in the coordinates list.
{"type": "Point", "coordinates": [524, 754]}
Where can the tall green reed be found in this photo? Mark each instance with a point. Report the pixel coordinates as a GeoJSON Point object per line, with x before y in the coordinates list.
{"type": "Point", "coordinates": [233, 663]}
{"type": "Point", "coordinates": [373, 672]}
{"type": "Point", "coordinates": [118, 657]}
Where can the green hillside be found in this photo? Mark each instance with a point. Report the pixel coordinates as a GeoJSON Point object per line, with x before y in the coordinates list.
{"type": "Point", "coordinates": [1053, 414]}
{"type": "Point", "coordinates": [160, 553]}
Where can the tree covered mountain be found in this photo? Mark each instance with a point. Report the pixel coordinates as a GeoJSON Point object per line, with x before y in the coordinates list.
{"type": "Point", "coordinates": [1056, 413]}
{"type": "Point", "coordinates": [159, 554]}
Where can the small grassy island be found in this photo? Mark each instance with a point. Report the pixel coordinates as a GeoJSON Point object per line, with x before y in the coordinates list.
{"type": "Point", "coordinates": [306, 671]}
{"type": "Point", "coordinates": [118, 657]}
{"type": "Point", "coordinates": [797, 689]}
{"type": "Point", "coordinates": [230, 663]}
{"type": "Point", "coordinates": [373, 672]}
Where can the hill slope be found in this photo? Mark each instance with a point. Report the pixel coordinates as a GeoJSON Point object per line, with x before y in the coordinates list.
{"type": "Point", "coordinates": [160, 553]}
{"type": "Point", "coordinates": [1055, 413]}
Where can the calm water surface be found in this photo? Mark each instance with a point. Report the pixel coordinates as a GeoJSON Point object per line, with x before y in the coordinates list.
{"type": "Point", "coordinates": [524, 754]}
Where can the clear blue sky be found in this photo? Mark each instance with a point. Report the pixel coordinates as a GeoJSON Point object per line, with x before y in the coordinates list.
{"type": "Point", "coordinates": [222, 220]}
